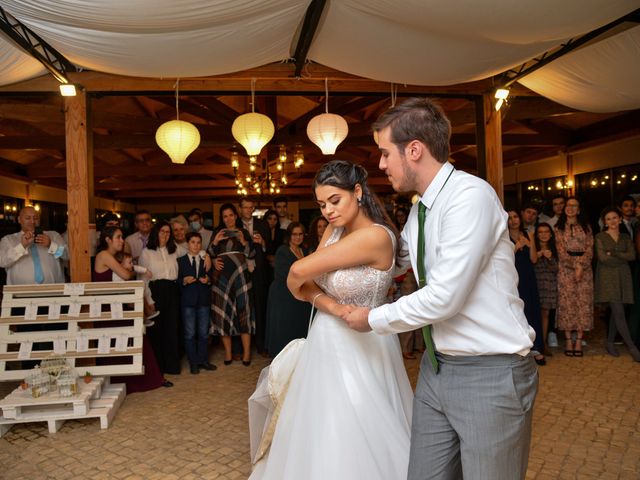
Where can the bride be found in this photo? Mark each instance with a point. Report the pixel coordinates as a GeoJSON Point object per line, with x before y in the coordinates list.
{"type": "Point", "coordinates": [347, 411]}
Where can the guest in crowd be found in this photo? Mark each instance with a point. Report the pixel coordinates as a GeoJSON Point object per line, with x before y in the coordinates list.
{"type": "Point", "coordinates": [529, 218]}
{"type": "Point", "coordinates": [196, 224]}
{"type": "Point", "coordinates": [316, 231]}
{"type": "Point", "coordinates": [231, 284]}
{"type": "Point", "coordinates": [557, 207]}
{"type": "Point", "coordinates": [527, 286]}
{"type": "Point", "coordinates": [546, 269]}
{"type": "Point", "coordinates": [287, 318]}
{"type": "Point", "coordinates": [275, 237]}
{"type": "Point", "coordinates": [574, 242]}
{"type": "Point", "coordinates": [138, 240]}
{"type": "Point", "coordinates": [160, 258]}
{"type": "Point", "coordinates": [126, 261]}
{"type": "Point", "coordinates": [614, 251]}
{"type": "Point", "coordinates": [179, 227]}
{"type": "Point", "coordinates": [258, 268]}
{"type": "Point", "coordinates": [110, 244]}
{"type": "Point", "coordinates": [628, 212]}
{"type": "Point", "coordinates": [32, 256]}
{"type": "Point", "coordinates": [281, 206]}
{"type": "Point", "coordinates": [194, 281]}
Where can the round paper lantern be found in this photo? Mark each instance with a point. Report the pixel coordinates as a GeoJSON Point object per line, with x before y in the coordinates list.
{"type": "Point", "coordinates": [253, 131]}
{"type": "Point", "coordinates": [327, 130]}
{"type": "Point", "coordinates": [179, 139]}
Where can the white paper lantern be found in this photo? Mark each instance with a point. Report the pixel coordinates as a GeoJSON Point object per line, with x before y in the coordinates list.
{"type": "Point", "coordinates": [327, 131]}
{"type": "Point", "coordinates": [178, 138]}
{"type": "Point", "coordinates": [253, 131]}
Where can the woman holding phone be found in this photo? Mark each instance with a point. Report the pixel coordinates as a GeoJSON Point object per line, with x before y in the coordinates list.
{"type": "Point", "coordinates": [231, 284]}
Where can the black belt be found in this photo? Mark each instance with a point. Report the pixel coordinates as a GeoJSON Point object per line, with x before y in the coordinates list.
{"type": "Point", "coordinates": [575, 254]}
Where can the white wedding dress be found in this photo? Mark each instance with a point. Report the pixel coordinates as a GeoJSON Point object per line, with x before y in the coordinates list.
{"type": "Point", "coordinates": [347, 412]}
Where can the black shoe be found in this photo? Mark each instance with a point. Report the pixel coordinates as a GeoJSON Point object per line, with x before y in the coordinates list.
{"type": "Point", "coordinates": [194, 369]}
{"type": "Point", "coordinates": [167, 383]}
{"type": "Point", "coordinates": [247, 363]}
{"type": "Point", "coordinates": [208, 366]}
{"type": "Point", "coordinates": [228, 362]}
{"type": "Point", "coordinates": [541, 361]}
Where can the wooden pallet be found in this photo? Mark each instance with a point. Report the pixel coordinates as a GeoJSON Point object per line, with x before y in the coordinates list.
{"type": "Point", "coordinates": [32, 306]}
{"type": "Point", "coordinates": [98, 399]}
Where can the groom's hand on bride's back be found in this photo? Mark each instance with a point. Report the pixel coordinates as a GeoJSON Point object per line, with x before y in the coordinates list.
{"type": "Point", "coordinates": [358, 319]}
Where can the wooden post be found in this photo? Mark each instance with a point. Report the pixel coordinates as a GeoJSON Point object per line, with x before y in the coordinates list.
{"type": "Point", "coordinates": [79, 185]}
{"type": "Point", "coordinates": [489, 136]}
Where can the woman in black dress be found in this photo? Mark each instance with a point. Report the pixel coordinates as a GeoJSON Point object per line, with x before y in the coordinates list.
{"type": "Point", "coordinates": [287, 318]}
{"type": "Point", "coordinates": [527, 285]}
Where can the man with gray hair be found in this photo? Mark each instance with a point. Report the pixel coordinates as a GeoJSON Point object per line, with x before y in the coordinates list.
{"type": "Point", "coordinates": [32, 256]}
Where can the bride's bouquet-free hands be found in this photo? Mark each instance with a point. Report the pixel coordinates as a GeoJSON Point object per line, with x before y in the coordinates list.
{"type": "Point", "coordinates": [357, 318]}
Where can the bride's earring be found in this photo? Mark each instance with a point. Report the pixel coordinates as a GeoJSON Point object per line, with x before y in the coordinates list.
{"type": "Point", "coordinates": [359, 202]}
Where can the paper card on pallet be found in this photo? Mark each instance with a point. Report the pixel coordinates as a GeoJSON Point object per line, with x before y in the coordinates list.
{"type": "Point", "coordinates": [25, 350]}
{"type": "Point", "coordinates": [59, 346]}
{"type": "Point", "coordinates": [121, 342]}
{"type": "Point", "coordinates": [82, 343]}
{"type": "Point", "coordinates": [74, 310]}
{"type": "Point", "coordinates": [95, 309]}
{"type": "Point", "coordinates": [116, 311]}
{"type": "Point", "coordinates": [54, 311]}
{"type": "Point", "coordinates": [31, 312]}
{"type": "Point", "coordinates": [104, 344]}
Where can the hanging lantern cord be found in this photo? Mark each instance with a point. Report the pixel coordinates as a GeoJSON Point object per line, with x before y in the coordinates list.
{"type": "Point", "coordinates": [253, 94]}
{"type": "Point", "coordinates": [177, 87]}
{"type": "Point", "coordinates": [326, 95]}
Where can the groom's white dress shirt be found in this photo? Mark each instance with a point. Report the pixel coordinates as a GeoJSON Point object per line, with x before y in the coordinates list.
{"type": "Point", "coordinates": [471, 297]}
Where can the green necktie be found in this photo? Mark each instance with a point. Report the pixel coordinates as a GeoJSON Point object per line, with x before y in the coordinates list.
{"type": "Point", "coordinates": [422, 281]}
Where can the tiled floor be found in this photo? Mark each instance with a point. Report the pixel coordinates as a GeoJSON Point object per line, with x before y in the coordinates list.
{"type": "Point", "coordinates": [586, 426]}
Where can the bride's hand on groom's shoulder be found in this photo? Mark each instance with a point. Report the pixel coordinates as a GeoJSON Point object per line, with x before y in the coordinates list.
{"type": "Point", "coordinates": [358, 319]}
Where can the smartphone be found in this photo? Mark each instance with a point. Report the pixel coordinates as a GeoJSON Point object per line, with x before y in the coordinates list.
{"type": "Point", "coordinates": [38, 231]}
{"type": "Point", "coordinates": [231, 233]}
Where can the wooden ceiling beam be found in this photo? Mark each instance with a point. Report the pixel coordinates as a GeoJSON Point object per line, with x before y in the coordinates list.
{"type": "Point", "coordinates": [168, 185]}
{"type": "Point", "coordinates": [275, 77]}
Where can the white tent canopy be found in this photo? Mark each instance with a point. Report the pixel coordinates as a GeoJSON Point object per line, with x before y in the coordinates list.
{"type": "Point", "coordinates": [419, 42]}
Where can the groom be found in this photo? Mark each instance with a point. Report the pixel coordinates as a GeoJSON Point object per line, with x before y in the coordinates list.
{"type": "Point", "coordinates": [474, 399]}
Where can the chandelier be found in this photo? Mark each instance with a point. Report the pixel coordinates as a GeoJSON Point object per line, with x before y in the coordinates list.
{"type": "Point", "coordinates": [176, 137]}
{"type": "Point", "coordinates": [268, 177]}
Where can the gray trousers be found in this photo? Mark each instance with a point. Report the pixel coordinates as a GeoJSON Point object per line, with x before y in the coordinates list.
{"type": "Point", "coordinates": [473, 419]}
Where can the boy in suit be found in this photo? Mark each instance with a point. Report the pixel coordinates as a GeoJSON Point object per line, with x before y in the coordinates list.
{"type": "Point", "coordinates": [193, 278]}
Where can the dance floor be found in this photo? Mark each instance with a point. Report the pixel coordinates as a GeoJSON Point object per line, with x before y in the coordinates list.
{"type": "Point", "coordinates": [586, 426]}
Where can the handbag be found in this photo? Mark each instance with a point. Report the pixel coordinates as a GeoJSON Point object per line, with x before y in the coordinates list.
{"type": "Point", "coordinates": [280, 373]}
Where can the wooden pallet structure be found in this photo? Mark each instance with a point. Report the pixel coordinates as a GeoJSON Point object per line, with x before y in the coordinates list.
{"type": "Point", "coordinates": [97, 324]}
{"type": "Point", "coordinates": [97, 399]}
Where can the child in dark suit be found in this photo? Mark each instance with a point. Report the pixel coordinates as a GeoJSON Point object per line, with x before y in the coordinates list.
{"type": "Point", "coordinates": [194, 281]}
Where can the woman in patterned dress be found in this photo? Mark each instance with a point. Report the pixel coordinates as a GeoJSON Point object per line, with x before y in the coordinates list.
{"type": "Point", "coordinates": [231, 285]}
{"type": "Point", "coordinates": [546, 268]}
{"type": "Point", "coordinates": [574, 242]}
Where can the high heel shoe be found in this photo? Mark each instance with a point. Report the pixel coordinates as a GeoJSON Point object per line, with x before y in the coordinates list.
{"type": "Point", "coordinates": [246, 363]}
{"type": "Point", "coordinates": [227, 362]}
{"type": "Point", "coordinates": [577, 352]}
{"type": "Point", "coordinates": [569, 352]}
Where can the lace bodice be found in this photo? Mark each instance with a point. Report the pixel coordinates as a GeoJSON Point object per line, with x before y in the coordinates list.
{"type": "Point", "coordinates": [362, 285]}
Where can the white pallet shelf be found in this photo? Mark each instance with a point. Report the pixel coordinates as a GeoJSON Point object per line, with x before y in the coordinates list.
{"type": "Point", "coordinates": [98, 399]}
{"type": "Point", "coordinates": [17, 298]}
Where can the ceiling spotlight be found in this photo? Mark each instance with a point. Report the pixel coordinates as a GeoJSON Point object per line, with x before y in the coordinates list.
{"type": "Point", "coordinates": [68, 90]}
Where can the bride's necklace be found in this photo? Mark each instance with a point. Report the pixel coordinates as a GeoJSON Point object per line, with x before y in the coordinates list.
{"type": "Point", "coordinates": [297, 251]}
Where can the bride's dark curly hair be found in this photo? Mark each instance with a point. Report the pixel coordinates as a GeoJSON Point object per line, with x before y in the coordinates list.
{"type": "Point", "coordinates": [345, 176]}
